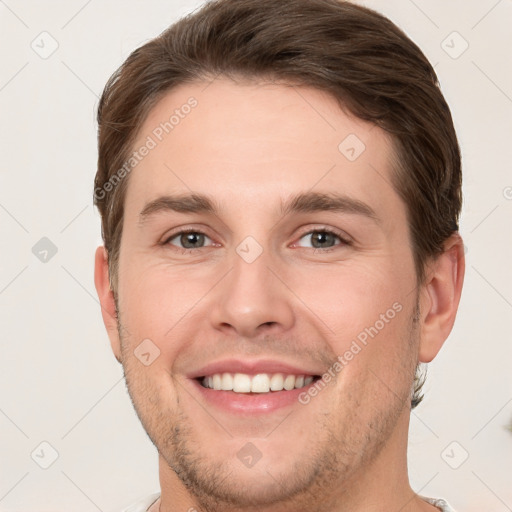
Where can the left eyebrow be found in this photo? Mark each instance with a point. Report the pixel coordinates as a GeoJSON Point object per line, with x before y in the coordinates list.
{"type": "Point", "coordinates": [311, 202]}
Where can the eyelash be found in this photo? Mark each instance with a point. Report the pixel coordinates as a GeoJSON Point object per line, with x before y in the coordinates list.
{"type": "Point", "coordinates": [342, 239]}
{"type": "Point", "coordinates": [184, 232]}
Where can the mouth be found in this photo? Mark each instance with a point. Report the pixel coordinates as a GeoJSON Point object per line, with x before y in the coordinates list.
{"type": "Point", "coordinates": [247, 387]}
{"type": "Point", "coordinates": [260, 383]}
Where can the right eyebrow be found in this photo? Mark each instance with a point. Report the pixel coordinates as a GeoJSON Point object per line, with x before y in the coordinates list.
{"type": "Point", "coordinates": [185, 203]}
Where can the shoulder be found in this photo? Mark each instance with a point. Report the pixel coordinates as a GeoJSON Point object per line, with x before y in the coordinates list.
{"type": "Point", "coordinates": [441, 504]}
{"type": "Point", "coordinates": [142, 504]}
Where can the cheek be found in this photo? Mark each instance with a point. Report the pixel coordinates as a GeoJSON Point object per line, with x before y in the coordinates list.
{"type": "Point", "coordinates": [367, 308]}
{"type": "Point", "coordinates": [351, 298]}
{"type": "Point", "coordinates": [160, 303]}
{"type": "Point", "coordinates": [157, 296]}
{"type": "Point", "coordinates": [386, 355]}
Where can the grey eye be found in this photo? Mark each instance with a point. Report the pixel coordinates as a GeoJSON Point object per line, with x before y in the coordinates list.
{"type": "Point", "coordinates": [320, 239]}
{"type": "Point", "coordinates": [189, 240]}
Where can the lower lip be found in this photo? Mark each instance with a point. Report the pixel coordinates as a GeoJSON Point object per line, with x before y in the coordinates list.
{"type": "Point", "coordinates": [250, 403]}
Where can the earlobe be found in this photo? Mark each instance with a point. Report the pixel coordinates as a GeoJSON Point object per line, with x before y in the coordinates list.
{"type": "Point", "coordinates": [440, 297]}
{"type": "Point", "coordinates": [106, 298]}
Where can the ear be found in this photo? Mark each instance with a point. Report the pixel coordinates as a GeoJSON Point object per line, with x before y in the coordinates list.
{"type": "Point", "coordinates": [106, 297]}
{"type": "Point", "coordinates": [440, 297]}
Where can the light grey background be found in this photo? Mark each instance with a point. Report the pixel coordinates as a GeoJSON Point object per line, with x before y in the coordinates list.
{"type": "Point", "coordinates": [59, 382]}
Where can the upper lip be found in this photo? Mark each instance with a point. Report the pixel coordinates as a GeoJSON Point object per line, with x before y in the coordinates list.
{"type": "Point", "coordinates": [251, 368]}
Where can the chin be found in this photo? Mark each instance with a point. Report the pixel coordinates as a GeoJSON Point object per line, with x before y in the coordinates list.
{"type": "Point", "coordinates": [221, 477]}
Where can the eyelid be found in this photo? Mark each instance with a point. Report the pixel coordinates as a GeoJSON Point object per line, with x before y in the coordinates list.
{"type": "Point", "coordinates": [344, 237]}
{"type": "Point", "coordinates": [182, 231]}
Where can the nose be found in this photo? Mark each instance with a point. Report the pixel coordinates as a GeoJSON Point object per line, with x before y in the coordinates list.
{"type": "Point", "coordinates": [252, 299]}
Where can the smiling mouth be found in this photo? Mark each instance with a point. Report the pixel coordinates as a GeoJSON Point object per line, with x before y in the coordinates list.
{"type": "Point", "coordinates": [259, 383]}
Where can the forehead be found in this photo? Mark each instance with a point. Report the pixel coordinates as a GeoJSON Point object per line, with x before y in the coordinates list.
{"type": "Point", "coordinates": [258, 142]}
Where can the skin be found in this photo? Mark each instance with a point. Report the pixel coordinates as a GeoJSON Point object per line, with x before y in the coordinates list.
{"type": "Point", "coordinates": [250, 146]}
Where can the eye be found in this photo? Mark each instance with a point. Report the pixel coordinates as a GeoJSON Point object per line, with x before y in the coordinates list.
{"type": "Point", "coordinates": [188, 240]}
{"type": "Point", "coordinates": [322, 239]}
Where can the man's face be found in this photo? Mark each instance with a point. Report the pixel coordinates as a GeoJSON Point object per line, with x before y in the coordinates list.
{"type": "Point", "coordinates": [265, 285]}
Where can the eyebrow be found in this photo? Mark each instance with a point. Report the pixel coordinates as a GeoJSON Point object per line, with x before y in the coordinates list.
{"type": "Point", "coordinates": [308, 202]}
{"type": "Point", "coordinates": [190, 203]}
{"type": "Point", "coordinates": [311, 202]}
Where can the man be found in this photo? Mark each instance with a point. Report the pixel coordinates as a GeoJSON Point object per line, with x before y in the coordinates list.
{"type": "Point", "coordinates": [280, 186]}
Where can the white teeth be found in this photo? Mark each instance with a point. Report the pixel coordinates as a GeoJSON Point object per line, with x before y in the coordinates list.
{"type": "Point", "coordinates": [289, 382]}
{"type": "Point", "coordinates": [277, 382]}
{"type": "Point", "coordinates": [260, 383]}
{"type": "Point", "coordinates": [241, 383]}
{"type": "Point", "coordinates": [227, 382]}
{"type": "Point", "coordinates": [217, 381]}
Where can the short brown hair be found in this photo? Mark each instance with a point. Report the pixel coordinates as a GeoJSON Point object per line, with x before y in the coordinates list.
{"type": "Point", "coordinates": [355, 54]}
